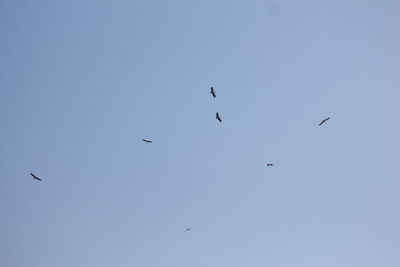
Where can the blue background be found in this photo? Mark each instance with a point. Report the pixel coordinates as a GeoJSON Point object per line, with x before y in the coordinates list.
{"type": "Point", "coordinates": [82, 82]}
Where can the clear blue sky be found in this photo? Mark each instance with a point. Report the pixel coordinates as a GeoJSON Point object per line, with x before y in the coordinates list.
{"type": "Point", "coordinates": [82, 82]}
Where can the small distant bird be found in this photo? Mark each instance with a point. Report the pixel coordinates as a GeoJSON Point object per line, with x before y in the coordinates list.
{"type": "Point", "coordinates": [213, 92]}
{"type": "Point", "coordinates": [147, 141]}
{"type": "Point", "coordinates": [270, 164]}
{"type": "Point", "coordinates": [218, 117]}
{"type": "Point", "coordinates": [323, 121]}
{"type": "Point", "coordinates": [35, 177]}
{"type": "Point", "coordinates": [188, 229]}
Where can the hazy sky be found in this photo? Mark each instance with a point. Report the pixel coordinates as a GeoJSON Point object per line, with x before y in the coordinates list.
{"type": "Point", "coordinates": [82, 82]}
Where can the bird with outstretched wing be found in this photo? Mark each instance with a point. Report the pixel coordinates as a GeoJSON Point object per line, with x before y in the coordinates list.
{"type": "Point", "coordinates": [147, 141]}
{"type": "Point", "coordinates": [323, 121]}
{"type": "Point", "coordinates": [219, 118]}
{"type": "Point", "coordinates": [212, 92]}
{"type": "Point", "coordinates": [35, 177]}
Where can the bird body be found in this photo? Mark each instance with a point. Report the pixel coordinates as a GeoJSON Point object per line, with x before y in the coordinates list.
{"type": "Point", "coordinates": [323, 121]}
{"type": "Point", "coordinates": [212, 92]}
{"type": "Point", "coordinates": [147, 141]}
{"type": "Point", "coordinates": [35, 177]}
{"type": "Point", "coordinates": [187, 229]}
{"type": "Point", "coordinates": [270, 164]}
{"type": "Point", "coordinates": [218, 117]}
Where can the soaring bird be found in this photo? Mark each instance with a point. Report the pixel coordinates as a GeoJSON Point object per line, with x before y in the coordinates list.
{"type": "Point", "coordinates": [147, 141]}
{"type": "Point", "coordinates": [323, 121]}
{"type": "Point", "coordinates": [218, 117]}
{"type": "Point", "coordinates": [187, 229]}
{"type": "Point", "coordinates": [270, 164]}
{"type": "Point", "coordinates": [213, 92]}
{"type": "Point", "coordinates": [35, 177]}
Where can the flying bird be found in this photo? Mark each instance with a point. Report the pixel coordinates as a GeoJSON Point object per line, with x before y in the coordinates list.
{"type": "Point", "coordinates": [35, 177]}
{"type": "Point", "coordinates": [218, 117]}
{"type": "Point", "coordinates": [323, 121]}
{"type": "Point", "coordinates": [213, 92]}
{"type": "Point", "coordinates": [147, 141]}
{"type": "Point", "coordinates": [270, 164]}
{"type": "Point", "coordinates": [188, 229]}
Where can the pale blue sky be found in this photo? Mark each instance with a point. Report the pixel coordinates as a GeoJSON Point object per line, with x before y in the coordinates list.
{"type": "Point", "coordinates": [82, 82]}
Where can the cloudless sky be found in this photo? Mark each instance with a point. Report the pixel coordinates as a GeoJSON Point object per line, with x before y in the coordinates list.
{"type": "Point", "coordinates": [82, 82]}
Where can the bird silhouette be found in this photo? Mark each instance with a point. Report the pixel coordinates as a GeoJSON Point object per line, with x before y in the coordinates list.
{"type": "Point", "coordinates": [213, 92]}
{"type": "Point", "coordinates": [35, 177]}
{"type": "Point", "coordinates": [270, 164]}
{"type": "Point", "coordinates": [218, 117]}
{"type": "Point", "coordinates": [147, 141]}
{"type": "Point", "coordinates": [323, 121]}
{"type": "Point", "coordinates": [188, 229]}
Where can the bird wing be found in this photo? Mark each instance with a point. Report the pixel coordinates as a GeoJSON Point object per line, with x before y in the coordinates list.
{"type": "Point", "coordinates": [323, 121]}
{"type": "Point", "coordinates": [213, 92]}
{"type": "Point", "coordinates": [35, 177]}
